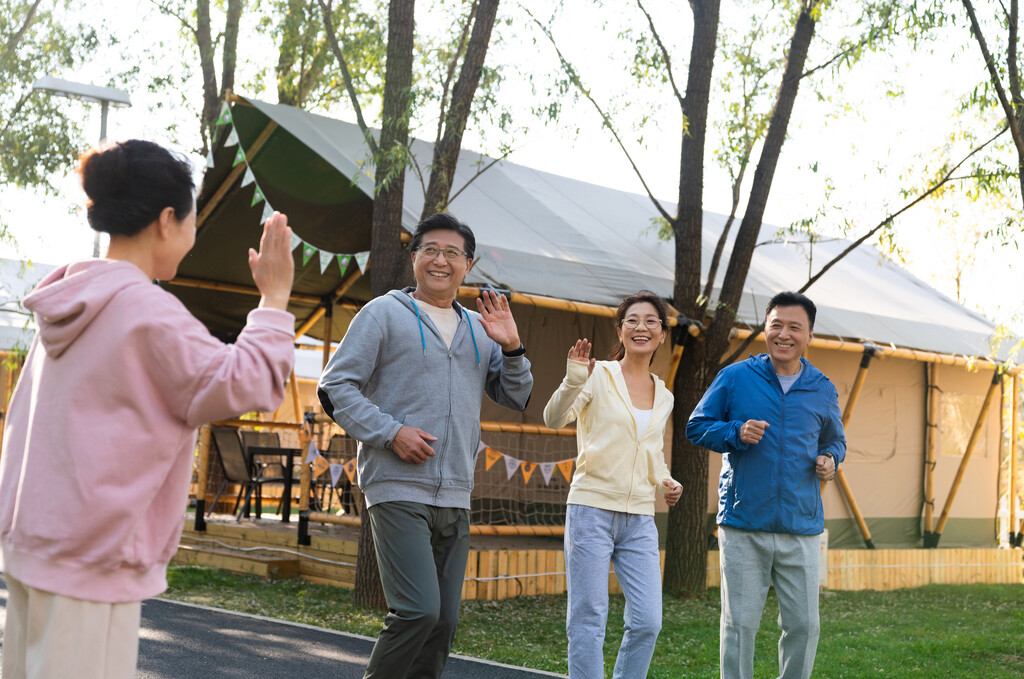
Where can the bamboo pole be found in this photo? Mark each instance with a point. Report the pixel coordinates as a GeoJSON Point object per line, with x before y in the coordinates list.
{"type": "Point", "coordinates": [895, 352]}
{"type": "Point", "coordinates": [273, 424]}
{"type": "Point", "coordinates": [296, 406]}
{"type": "Point", "coordinates": [516, 428]}
{"type": "Point", "coordinates": [841, 482]}
{"type": "Point", "coordinates": [575, 307]}
{"type": "Point", "coordinates": [202, 476]}
{"type": "Point", "coordinates": [475, 529]}
{"type": "Point", "coordinates": [1014, 439]}
{"type": "Point", "coordinates": [240, 289]}
{"type": "Point", "coordinates": [235, 173]}
{"type": "Point", "coordinates": [677, 355]}
{"type": "Point", "coordinates": [971, 443]}
{"type": "Point", "coordinates": [328, 331]}
{"type": "Point", "coordinates": [931, 431]}
{"type": "Point", "coordinates": [305, 436]}
{"type": "Point", "coordinates": [317, 314]}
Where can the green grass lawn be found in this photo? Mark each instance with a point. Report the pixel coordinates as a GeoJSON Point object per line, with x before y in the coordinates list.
{"type": "Point", "coordinates": [965, 631]}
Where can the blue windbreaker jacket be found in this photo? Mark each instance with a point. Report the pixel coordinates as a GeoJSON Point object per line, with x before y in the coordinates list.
{"type": "Point", "coordinates": [769, 486]}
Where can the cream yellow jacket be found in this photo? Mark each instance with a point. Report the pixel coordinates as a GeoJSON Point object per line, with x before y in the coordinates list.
{"type": "Point", "coordinates": [616, 469]}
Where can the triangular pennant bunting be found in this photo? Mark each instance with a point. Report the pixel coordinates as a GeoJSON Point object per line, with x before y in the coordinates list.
{"type": "Point", "coordinates": [268, 212]}
{"type": "Point", "coordinates": [257, 195]}
{"type": "Point", "coordinates": [350, 470]}
{"type": "Point", "coordinates": [511, 465]}
{"type": "Point", "coordinates": [565, 466]}
{"type": "Point", "coordinates": [325, 260]}
{"type": "Point", "coordinates": [361, 259]}
{"type": "Point", "coordinates": [546, 470]}
{"type": "Point", "coordinates": [296, 241]}
{"type": "Point", "coordinates": [239, 157]}
{"type": "Point", "coordinates": [528, 469]}
{"type": "Point", "coordinates": [343, 261]}
{"type": "Point", "coordinates": [311, 452]}
{"type": "Point", "coordinates": [248, 177]}
{"type": "Point", "coordinates": [209, 159]}
{"type": "Point", "coordinates": [225, 116]}
{"type": "Point", "coordinates": [232, 139]}
{"type": "Point", "coordinates": [480, 447]}
{"type": "Point", "coordinates": [336, 470]}
{"type": "Point", "coordinates": [492, 456]}
{"type": "Point", "coordinates": [307, 253]}
{"type": "Point", "coordinates": [320, 465]}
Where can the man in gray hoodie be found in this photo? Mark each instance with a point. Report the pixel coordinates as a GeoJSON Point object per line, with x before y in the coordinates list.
{"type": "Point", "coordinates": [407, 382]}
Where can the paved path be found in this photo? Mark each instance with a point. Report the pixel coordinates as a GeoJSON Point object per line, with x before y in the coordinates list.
{"type": "Point", "coordinates": [184, 641]}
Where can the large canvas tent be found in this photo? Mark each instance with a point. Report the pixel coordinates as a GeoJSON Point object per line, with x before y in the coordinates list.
{"type": "Point", "coordinates": [542, 234]}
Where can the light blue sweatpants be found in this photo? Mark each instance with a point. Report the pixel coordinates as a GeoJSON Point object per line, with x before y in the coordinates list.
{"type": "Point", "coordinates": [750, 562]}
{"type": "Point", "coordinates": [595, 538]}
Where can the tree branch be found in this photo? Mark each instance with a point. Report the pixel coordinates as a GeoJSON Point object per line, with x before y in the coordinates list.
{"type": "Point", "coordinates": [664, 51]}
{"type": "Point", "coordinates": [857, 243]}
{"type": "Point", "coordinates": [332, 38]}
{"type": "Point", "coordinates": [605, 118]}
{"type": "Point", "coordinates": [463, 39]}
{"type": "Point", "coordinates": [12, 43]}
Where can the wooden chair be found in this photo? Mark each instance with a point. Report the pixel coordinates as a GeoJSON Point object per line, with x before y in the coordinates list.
{"type": "Point", "coordinates": [239, 468]}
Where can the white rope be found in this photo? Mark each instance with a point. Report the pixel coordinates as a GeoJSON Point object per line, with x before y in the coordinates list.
{"type": "Point", "coordinates": [269, 549]}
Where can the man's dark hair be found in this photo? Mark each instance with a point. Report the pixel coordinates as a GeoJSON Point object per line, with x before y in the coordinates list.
{"type": "Point", "coordinates": [793, 299]}
{"type": "Point", "coordinates": [443, 220]}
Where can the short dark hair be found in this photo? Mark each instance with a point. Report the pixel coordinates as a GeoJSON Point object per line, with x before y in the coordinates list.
{"type": "Point", "coordinates": [618, 351]}
{"type": "Point", "coordinates": [130, 183]}
{"type": "Point", "coordinates": [446, 221]}
{"type": "Point", "coordinates": [793, 299]}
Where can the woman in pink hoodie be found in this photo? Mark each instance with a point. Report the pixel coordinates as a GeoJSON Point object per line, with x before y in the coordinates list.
{"type": "Point", "coordinates": [100, 431]}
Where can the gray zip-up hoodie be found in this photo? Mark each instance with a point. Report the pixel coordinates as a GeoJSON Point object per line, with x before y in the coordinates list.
{"type": "Point", "coordinates": [392, 369]}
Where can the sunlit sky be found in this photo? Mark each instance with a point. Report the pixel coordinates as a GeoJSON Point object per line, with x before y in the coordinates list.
{"type": "Point", "coordinates": [863, 141]}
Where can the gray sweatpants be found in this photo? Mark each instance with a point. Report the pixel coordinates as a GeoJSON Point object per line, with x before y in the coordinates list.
{"type": "Point", "coordinates": [750, 562]}
{"type": "Point", "coordinates": [421, 553]}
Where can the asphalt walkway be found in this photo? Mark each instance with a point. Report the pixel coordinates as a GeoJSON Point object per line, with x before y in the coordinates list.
{"type": "Point", "coordinates": [185, 641]}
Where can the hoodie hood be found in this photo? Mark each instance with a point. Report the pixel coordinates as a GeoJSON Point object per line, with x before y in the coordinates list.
{"type": "Point", "coordinates": [67, 301]}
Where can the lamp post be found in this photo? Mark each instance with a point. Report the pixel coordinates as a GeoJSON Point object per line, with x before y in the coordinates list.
{"type": "Point", "coordinates": [104, 96]}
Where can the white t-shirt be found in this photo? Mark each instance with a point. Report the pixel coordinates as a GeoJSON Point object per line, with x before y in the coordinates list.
{"type": "Point", "coordinates": [643, 418]}
{"type": "Point", "coordinates": [445, 320]}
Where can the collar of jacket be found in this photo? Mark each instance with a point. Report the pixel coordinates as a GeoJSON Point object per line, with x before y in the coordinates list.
{"type": "Point", "coordinates": [619, 382]}
{"type": "Point", "coordinates": [405, 297]}
{"type": "Point", "coordinates": [809, 375]}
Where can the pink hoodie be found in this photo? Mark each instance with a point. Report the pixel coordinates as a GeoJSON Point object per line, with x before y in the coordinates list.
{"type": "Point", "coordinates": [100, 431]}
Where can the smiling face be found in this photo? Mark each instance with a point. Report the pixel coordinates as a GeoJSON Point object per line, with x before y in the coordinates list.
{"type": "Point", "coordinates": [437, 278]}
{"type": "Point", "coordinates": [641, 331]}
{"type": "Point", "coordinates": [787, 331]}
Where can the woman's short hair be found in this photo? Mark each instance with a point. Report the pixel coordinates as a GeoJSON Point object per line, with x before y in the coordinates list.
{"type": "Point", "coordinates": [131, 182]}
{"type": "Point", "coordinates": [618, 351]}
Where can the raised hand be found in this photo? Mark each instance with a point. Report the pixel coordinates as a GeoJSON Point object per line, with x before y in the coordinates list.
{"type": "Point", "coordinates": [580, 352]}
{"type": "Point", "coordinates": [496, 317]}
{"type": "Point", "coordinates": [273, 268]}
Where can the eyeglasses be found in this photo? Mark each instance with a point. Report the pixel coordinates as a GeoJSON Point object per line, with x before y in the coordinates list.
{"type": "Point", "coordinates": [450, 254]}
{"type": "Point", "coordinates": [651, 322]}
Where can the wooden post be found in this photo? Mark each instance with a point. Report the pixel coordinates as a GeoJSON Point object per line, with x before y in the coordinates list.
{"type": "Point", "coordinates": [1014, 438]}
{"type": "Point", "coordinates": [841, 482]}
{"type": "Point", "coordinates": [677, 355]}
{"type": "Point", "coordinates": [296, 406]}
{"type": "Point", "coordinates": [305, 436]}
{"type": "Point", "coordinates": [931, 437]}
{"type": "Point", "coordinates": [971, 443]}
{"type": "Point", "coordinates": [328, 331]}
{"type": "Point", "coordinates": [202, 475]}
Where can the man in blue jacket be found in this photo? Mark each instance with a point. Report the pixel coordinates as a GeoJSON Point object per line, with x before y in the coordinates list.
{"type": "Point", "coordinates": [407, 382]}
{"type": "Point", "coordinates": [775, 419]}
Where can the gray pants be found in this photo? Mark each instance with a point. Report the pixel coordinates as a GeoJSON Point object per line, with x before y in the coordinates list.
{"type": "Point", "coordinates": [750, 562]}
{"type": "Point", "coordinates": [423, 602]}
{"type": "Point", "coordinates": [593, 539]}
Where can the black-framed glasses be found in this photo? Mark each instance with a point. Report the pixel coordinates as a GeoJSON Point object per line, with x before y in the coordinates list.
{"type": "Point", "coordinates": [450, 254]}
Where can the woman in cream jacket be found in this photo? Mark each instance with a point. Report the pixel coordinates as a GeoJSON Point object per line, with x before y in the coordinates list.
{"type": "Point", "coordinates": [621, 409]}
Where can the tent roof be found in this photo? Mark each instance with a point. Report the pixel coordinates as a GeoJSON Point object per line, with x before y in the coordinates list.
{"type": "Point", "coordinates": [537, 233]}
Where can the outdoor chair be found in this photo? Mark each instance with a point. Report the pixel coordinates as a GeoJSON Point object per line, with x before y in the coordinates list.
{"type": "Point", "coordinates": [239, 468]}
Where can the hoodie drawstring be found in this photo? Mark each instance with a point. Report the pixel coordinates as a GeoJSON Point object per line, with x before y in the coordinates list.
{"type": "Point", "coordinates": [423, 340]}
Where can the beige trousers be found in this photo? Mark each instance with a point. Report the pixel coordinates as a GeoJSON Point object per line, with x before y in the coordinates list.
{"type": "Point", "coordinates": [49, 636]}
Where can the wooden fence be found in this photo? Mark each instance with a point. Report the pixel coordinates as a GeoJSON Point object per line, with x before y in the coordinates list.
{"type": "Point", "coordinates": [507, 573]}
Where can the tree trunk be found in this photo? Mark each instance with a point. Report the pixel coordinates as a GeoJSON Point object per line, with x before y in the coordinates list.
{"type": "Point", "coordinates": [446, 151]}
{"type": "Point", "coordinates": [204, 41]}
{"type": "Point", "coordinates": [227, 74]}
{"type": "Point", "coordinates": [389, 262]}
{"type": "Point", "coordinates": [686, 551]}
{"type": "Point", "coordinates": [390, 266]}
